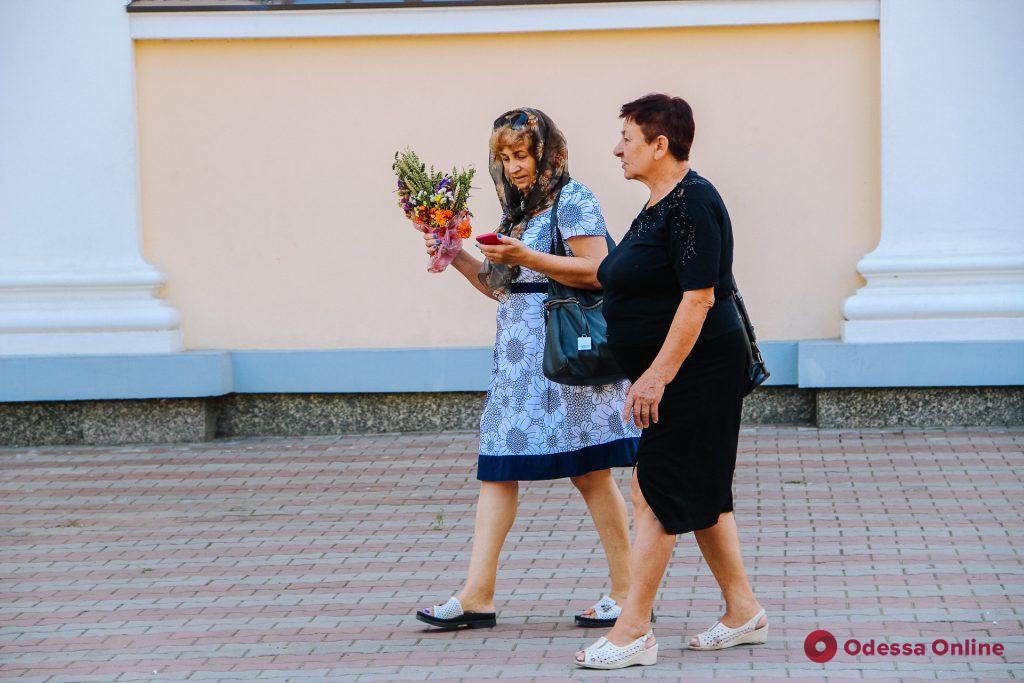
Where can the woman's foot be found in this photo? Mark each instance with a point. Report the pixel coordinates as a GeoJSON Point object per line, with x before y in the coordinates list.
{"type": "Point", "coordinates": [471, 603]}
{"type": "Point", "coordinates": [604, 613]}
{"type": "Point", "coordinates": [606, 654]}
{"type": "Point", "coordinates": [452, 615]}
{"type": "Point", "coordinates": [622, 634]}
{"type": "Point", "coordinates": [746, 627]}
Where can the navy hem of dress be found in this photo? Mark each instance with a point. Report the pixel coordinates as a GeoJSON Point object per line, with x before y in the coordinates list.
{"type": "Point", "coordinates": [618, 453]}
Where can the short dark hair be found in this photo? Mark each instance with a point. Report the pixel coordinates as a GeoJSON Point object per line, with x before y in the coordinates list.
{"type": "Point", "coordinates": [659, 114]}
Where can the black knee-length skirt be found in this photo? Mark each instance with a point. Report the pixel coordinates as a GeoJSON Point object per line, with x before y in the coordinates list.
{"type": "Point", "coordinates": [685, 463]}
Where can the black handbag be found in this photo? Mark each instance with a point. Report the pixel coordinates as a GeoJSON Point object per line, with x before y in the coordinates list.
{"type": "Point", "coordinates": [576, 334]}
{"type": "Point", "coordinates": [757, 371]}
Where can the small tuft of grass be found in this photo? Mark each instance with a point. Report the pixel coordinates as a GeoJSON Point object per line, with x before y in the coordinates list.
{"type": "Point", "coordinates": [438, 521]}
{"type": "Point", "coordinates": [795, 481]}
{"type": "Point", "coordinates": [74, 523]}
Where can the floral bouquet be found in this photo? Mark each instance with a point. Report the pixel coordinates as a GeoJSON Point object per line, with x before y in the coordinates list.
{"type": "Point", "coordinates": [435, 202]}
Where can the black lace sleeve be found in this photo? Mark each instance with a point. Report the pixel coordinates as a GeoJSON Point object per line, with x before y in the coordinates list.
{"type": "Point", "coordinates": [695, 243]}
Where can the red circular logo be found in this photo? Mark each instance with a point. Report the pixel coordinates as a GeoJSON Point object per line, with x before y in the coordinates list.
{"type": "Point", "coordinates": [816, 638]}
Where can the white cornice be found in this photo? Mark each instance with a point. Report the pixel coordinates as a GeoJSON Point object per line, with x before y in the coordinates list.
{"type": "Point", "coordinates": [505, 19]}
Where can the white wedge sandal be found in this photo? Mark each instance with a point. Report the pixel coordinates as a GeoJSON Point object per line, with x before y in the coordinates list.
{"type": "Point", "coordinates": [604, 655]}
{"type": "Point", "coordinates": [720, 636]}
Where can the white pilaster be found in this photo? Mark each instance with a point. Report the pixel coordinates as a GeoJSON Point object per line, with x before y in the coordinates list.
{"type": "Point", "coordinates": [72, 278]}
{"type": "Point", "coordinates": [950, 262]}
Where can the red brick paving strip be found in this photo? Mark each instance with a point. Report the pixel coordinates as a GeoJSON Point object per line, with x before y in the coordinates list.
{"type": "Point", "coordinates": [304, 558]}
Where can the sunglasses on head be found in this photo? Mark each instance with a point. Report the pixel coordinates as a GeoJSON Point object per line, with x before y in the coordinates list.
{"type": "Point", "coordinates": [513, 120]}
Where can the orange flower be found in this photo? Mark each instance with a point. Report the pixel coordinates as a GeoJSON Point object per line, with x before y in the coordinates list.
{"type": "Point", "coordinates": [440, 217]}
{"type": "Point", "coordinates": [465, 230]}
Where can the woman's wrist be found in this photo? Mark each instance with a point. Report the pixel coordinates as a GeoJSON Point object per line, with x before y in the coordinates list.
{"type": "Point", "coordinates": [462, 257]}
{"type": "Point", "coordinates": [530, 260]}
{"type": "Point", "coordinates": [664, 372]}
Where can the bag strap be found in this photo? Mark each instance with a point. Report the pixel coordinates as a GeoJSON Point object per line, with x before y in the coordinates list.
{"type": "Point", "coordinates": [753, 351]}
{"type": "Point", "coordinates": [557, 245]}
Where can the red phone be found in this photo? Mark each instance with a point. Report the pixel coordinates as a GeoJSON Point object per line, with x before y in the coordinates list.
{"type": "Point", "coordinates": [488, 238]}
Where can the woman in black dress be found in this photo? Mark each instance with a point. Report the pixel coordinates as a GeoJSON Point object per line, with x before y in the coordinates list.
{"type": "Point", "coordinates": [675, 331]}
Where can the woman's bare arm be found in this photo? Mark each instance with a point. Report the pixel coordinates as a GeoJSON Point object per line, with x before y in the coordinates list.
{"type": "Point", "coordinates": [469, 267]}
{"type": "Point", "coordinates": [644, 396]}
{"type": "Point", "coordinates": [579, 270]}
{"type": "Point", "coordinates": [465, 263]}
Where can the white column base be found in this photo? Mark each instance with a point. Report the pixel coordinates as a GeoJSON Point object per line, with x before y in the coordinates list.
{"type": "Point", "coordinates": [933, 330]}
{"type": "Point", "coordinates": [924, 298]}
{"type": "Point", "coordinates": [72, 276]}
{"type": "Point", "coordinates": [950, 262]}
{"type": "Point", "coordinates": [113, 312]}
{"type": "Point", "coordinates": [89, 343]}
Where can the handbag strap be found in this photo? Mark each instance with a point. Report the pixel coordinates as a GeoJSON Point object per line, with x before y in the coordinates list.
{"type": "Point", "coordinates": [754, 351]}
{"type": "Point", "coordinates": [557, 245]}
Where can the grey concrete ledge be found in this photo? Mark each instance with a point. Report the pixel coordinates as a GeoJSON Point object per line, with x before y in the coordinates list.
{"type": "Point", "coordinates": [290, 414]}
{"type": "Point", "coordinates": [240, 415]}
{"type": "Point", "coordinates": [56, 423]}
{"type": "Point", "coordinates": [921, 407]}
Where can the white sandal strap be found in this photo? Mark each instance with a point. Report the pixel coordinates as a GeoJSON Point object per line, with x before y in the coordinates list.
{"type": "Point", "coordinates": [720, 633]}
{"type": "Point", "coordinates": [606, 608]}
{"type": "Point", "coordinates": [449, 610]}
{"type": "Point", "coordinates": [604, 652]}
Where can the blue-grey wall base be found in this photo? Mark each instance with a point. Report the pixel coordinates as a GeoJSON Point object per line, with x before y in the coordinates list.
{"type": "Point", "coordinates": [832, 364]}
{"type": "Point", "coordinates": [191, 374]}
{"type": "Point", "coordinates": [812, 364]}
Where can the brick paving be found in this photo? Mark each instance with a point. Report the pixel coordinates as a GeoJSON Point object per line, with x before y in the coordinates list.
{"type": "Point", "coordinates": [304, 558]}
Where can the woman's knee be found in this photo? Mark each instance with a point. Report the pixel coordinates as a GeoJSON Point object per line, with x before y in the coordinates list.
{"type": "Point", "coordinates": [499, 488]}
{"type": "Point", "coordinates": [637, 493]}
{"type": "Point", "coordinates": [586, 483]}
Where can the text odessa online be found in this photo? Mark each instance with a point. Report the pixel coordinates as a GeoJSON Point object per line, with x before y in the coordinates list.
{"type": "Point", "coordinates": [968, 648]}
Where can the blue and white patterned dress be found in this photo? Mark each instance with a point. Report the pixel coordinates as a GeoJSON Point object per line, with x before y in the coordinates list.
{"type": "Point", "coordinates": [531, 427]}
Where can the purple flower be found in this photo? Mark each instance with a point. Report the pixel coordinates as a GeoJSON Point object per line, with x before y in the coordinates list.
{"type": "Point", "coordinates": [443, 184]}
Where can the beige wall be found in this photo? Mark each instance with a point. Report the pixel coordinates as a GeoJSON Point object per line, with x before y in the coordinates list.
{"type": "Point", "coordinates": [265, 168]}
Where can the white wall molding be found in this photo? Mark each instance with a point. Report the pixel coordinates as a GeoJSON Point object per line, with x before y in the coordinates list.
{"type": "Point", "coordinates": [72, 277]}
{"type": "Point", "coordinates": [502, 19]}
{"type": "Point", "coordinates": [950, 262]}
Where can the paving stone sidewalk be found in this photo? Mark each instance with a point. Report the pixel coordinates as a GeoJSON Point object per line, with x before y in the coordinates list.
{"type": "Point", "coordinates": [304, 558]}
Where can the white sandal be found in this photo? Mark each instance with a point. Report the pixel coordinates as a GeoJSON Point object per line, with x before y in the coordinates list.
{"type": "Point", "coordinates": [451, 616]}
{"type": "Point", "coordinates": [720, 636]}
{"type": "Point", "coordinates": [606, 613]}
{"type": "Point", "coordinates": [604, 655]}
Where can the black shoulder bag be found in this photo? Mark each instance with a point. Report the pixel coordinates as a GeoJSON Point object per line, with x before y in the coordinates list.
{"type": "Point", "coordinates": [757, 371]}
{"type": "Point", "coordinates": [576, 334]}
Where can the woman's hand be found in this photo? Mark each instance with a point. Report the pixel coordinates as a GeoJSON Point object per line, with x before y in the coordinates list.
{"type": "Point", "coordinates": [511, 252]}
{"type": "Point", "coordinates": [431, 242]}
{"type": "Point", "coordinates": [643, 398]}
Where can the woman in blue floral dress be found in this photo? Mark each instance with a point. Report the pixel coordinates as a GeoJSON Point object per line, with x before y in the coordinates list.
{"type": "Point", "coordinates": [532, 428]}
